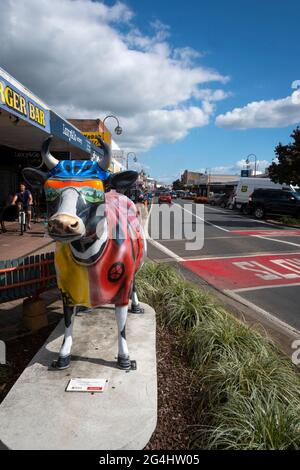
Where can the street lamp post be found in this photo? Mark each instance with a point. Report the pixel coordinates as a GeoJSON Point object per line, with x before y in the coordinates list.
{"type": "Point", "coordinates": [134, 158]}
{"type": "Point", "coordinates": [207, 172]}
{"type": "Point", "coordinates": [255, 161]}
{"type": "Point", "coordinates": [118, 129]}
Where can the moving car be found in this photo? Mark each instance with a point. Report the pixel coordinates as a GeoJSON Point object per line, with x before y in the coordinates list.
{"type": "Point", "coordinates": [180, 193]}
{"type": "Point", "coordinates": [136, 195]}
{"type": "Point", "coordinates": [165, 198]}
{"type": "Point", "coordinates": [274, 201]}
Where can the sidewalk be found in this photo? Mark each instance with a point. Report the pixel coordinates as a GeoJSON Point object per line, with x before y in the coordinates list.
{"type": "Point", "coordinates": [13, 245]}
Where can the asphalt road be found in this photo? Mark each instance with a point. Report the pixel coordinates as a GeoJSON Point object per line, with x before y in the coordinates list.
{"type": "Point", "coordinates": [253, 262]}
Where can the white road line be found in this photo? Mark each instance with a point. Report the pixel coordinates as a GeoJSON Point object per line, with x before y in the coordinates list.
{"type": "Point", "coordinates": [249, 255]}
{"type": "Point", "coordinates": [261, 311]}
{"type": "Point", "coordinates": [158, 245]}
{"type": "Point", "coordinates": [206, 238]}
{"type": "Point", "coordinates": [273, 286]}
{"type": "Point", "coordinates": [233, 294]}
{"type": "Point", "coordinates": [231, 237]}
{"type": "Point", "coordinates": [203, 220]}
{"type": "Point", "coordinates": [217, 210]}
{"type": "Point", "coordinates": [275, 240]}
{"type": "Point", "coordinates": [165, 250]}
{"type": "Point", "coordinates": [245, 217]}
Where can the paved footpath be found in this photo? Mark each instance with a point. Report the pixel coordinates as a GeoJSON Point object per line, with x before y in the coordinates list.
{"type": "Point", "coordinates": [13, 245]}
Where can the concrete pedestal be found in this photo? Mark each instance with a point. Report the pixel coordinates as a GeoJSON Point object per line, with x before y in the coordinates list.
{"type": "Point", "coordinates": [39, 414]}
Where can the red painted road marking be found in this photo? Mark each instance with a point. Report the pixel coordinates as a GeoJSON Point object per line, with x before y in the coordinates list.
{"type": "Point", "coordinates": [268, 233]}
{"type": "Point", "coordinates": [251, 271]}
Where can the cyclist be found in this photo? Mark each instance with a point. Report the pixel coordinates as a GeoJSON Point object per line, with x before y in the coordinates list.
{"type": "Point", "coordinates": [24, 200]}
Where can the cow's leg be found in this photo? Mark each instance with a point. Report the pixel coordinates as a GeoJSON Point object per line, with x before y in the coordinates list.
{"type": "Point", "coordinates": [123, 356]}
{"type": "Point", "coordinates": [135, 306]}
{"type": "Point", "coordinates": [64, 357]}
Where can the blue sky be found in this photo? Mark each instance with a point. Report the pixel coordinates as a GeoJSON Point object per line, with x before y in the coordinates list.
{"type": "Point", "coordinates": [256, 44]}
{"type": "Point", "coordinates": [195, 84]}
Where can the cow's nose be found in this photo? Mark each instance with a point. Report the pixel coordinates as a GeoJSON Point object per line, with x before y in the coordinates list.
{"type": "Point", "coordinates": [64, 224]}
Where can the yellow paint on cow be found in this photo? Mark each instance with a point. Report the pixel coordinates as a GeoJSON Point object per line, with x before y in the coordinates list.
{"type": "Point", "coordinates": [72, 278]}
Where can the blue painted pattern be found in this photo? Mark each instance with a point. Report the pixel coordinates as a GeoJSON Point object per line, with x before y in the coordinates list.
{"type": "Point", "coordinates": [78, 169]}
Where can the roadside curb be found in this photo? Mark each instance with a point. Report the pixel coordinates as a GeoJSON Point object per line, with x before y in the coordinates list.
{"type": "Point", "coordinates": [282, 336]}
{"type": "Point", "coordinates": [278, 224]}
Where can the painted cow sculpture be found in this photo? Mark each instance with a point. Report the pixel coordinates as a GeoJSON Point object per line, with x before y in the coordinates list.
{"type": "Point", "coordinates": [99, 242]}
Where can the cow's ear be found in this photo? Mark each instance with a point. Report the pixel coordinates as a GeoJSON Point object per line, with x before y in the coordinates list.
{"type": "Point", "coordinates": [123, 180]}
{"type": "Point", "coordinates": [34, 178]}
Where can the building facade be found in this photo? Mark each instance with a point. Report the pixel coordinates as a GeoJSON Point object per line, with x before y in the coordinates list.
{"type": "Point", "coordinates": [191, 178]}
{"type": "Point", "coordinates": [25, 122]}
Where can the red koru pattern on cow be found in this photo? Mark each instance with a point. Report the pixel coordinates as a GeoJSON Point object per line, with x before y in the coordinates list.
{"type": "Point", "coordinates": [122, 255]}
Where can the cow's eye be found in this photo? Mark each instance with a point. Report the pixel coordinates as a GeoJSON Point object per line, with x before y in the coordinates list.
{"type": "Point", "coordinates": [51, 194]}
{"type": "Point", "coordinates": [92, 195]}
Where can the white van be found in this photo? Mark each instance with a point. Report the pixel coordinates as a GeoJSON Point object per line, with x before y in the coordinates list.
{"type": "Point", "coordinates": [247, 185]}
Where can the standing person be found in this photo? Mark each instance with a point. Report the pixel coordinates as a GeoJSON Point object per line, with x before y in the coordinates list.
{"type": "Point", "coordinates": [25, 200]}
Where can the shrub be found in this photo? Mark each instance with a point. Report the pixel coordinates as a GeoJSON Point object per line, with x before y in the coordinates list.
{"type": "Point", "coordinates": [249, 392]}
{"type": "Point", "coordinates": [201, 199]}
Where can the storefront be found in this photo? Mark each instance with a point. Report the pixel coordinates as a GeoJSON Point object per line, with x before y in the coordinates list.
{"type": "Point", "coordinates": [25, 122]}
{"type": "Point", "coordinates": [94, 128]}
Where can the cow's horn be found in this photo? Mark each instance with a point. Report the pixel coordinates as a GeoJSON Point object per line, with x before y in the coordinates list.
{"type": "Point", "coordinates": [48, 159]}
{"type": "Point", "coordinates": [106, 160]}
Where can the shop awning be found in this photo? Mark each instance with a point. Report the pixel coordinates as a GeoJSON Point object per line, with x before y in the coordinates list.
{"type": "Point", "coordinates": [25, 122]}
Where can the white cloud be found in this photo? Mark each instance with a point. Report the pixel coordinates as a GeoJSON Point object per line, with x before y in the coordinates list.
{"type": "Point", "coordinates": [236, 167]}
{"type": "Point", "coordinates": [87, 59]}
{"type": "Point", "coordinates": [263, 114]}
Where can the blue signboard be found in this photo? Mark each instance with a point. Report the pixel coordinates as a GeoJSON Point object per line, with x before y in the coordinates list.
{"type": "Point", "coordinates": [19, 101]}
{"type": "Point", "coordinates": [67, 132]}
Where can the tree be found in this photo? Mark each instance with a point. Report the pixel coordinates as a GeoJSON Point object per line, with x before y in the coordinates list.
{"type": "Point", "coordinates": [287, 169]}
{"type": "Point", "coordinates": [177, 185]}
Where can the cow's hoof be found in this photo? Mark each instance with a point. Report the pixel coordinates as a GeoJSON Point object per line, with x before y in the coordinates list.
{"type": "Point", "coordinates": [136, 309]}
{"type": "Point", "coordinates": [62, 363]}
{"type": "Point", "coordinates": [124, 363]}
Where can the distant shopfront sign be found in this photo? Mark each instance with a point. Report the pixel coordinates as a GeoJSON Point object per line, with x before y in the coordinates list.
{"type": "Point", "coordinates": [19, 101]}
{"type": "Point", "coordinates": [203, 180]}
{"type": "Point", "coordinates": [93, 137]}
{"type": "Point", "coordinates": [246, 173]}
{"type": "Point", "coordinates": [67, 132]}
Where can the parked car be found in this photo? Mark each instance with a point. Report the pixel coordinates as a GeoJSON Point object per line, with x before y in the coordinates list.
{"type": "Point", "coordinates": [165, 198]}
{"type": "Point", "coordinates": [247, 185]}
{"type": "Point", "coordinates": [223, 201]}
{"type": "Point", "coordinates": [274, 201]}
{"type": "Point", "coordinates": [216, 199]}
{"type": "Point", "coordinates": [180, 193]}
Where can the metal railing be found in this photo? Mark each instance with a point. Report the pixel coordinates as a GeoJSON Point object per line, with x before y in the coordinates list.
{"type": "Point", "coordinates": [26, 277]}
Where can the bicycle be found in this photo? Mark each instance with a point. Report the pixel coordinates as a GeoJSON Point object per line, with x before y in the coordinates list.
{"type": "Point", "coordinates": [22, 221]}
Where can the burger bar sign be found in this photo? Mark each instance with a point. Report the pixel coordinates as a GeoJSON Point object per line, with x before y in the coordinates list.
{"type": "Point", "coordinates": [18, 101]}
